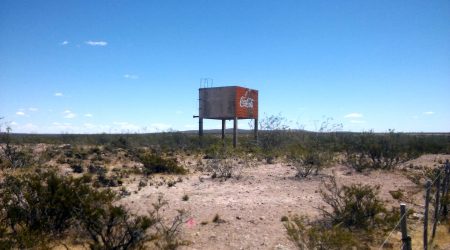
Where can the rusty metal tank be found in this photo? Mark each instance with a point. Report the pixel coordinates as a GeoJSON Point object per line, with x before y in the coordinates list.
{"type": "Point", "coordinates": [228, 103]}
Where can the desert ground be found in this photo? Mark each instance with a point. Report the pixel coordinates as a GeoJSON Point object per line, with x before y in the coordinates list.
{"type": "Point", "coordinates": [252, 205]}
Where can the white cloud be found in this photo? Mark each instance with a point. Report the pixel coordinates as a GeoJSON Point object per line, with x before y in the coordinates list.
{"type": "Point", "coordinates": [58, 94]}
{"type": "Point", "coordinates": [131, 76]}
{"type": "Point", "coordinates": [428, 113]}
{"type": "Point", "coordinates": [20, 113]}
{"type": "Point", "coordinates": [88, 115]}
{"type": "Point", "coordinates": [353, 115]}
{"type": "Point", "coordinates": [33, 109]}
{"type": "Point", "coordinates": [65, 42]}
{"type": "Point", "coordinates": [13, 124]}
{"type": "Point", "coordinates": [357, 121]}
{"type": "Point", "coordinates": [96, 43]}
{"type": "Point", "coordinates": [69, 114]}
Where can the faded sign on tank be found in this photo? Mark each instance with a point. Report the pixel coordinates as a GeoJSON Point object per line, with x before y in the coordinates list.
{"type": "Point", "coordinates": [246, 103]}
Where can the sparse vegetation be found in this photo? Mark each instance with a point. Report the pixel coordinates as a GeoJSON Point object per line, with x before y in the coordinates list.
{"type": "Point", "coordinates": [354, 206]}
{"type": "Point", "coordinates": [223, 163]}
{"type": "Point", "coordinates": [12, 156]}
{"type": "Point", "coordinates": [319, 236]}
{"type": "Point", "coordinates": [157, 164]}
{"type": "Point", "coordinates": [397, 194]}
{"type": "Point", "coordinates": [109, 173]}
{"type": "Point", "coordinates": [370, 151]}
{"type": "Point", "coordinates": [37, 208]}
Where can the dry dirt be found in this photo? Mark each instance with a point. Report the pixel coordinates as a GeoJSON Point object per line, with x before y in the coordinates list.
{"type": "Point", "coordinates": [253, 205]}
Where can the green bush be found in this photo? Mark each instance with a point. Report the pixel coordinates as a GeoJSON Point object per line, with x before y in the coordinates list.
{"type": "Point", "coordinates": [39, 208]}
{"type": "Point", "coordinates": [319, 236]}
{"type": "Point", "coordinates": [156, 164]}
{"type": "Point", "coordinates": [40, 204]}
{"type": "Point", "coordinates": [354, 206]}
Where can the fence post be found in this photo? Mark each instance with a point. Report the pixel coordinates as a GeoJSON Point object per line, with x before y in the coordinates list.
{"type": "Point", "coordinates": [405, 238]}
{"type": "Point", "coordinates": [425, 215]}
{"type": "Point", "coordinates": [436, 206]}
{"type": "Point", "coordinates": [444, 205]}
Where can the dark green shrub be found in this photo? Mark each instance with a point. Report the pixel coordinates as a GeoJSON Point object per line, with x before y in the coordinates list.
{"type": "Point", "coordinates": [319, 236]}
{"type": "Point", "coordinates": [156, 164]}
{"type": "Point", "coordinates": [354, 206]}
{"type": "Point", "coordinates": [112, 227]}
{"type": "Point", "coordinates": [97, 169]}
{"type": "Point", "coordinates": [77, 168]}
{"type": "Point", "coordinates": [39, 208]}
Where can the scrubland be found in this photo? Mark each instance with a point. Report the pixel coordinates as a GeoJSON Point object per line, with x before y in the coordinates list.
{"type": "Point", "coordinates": [290, 190]}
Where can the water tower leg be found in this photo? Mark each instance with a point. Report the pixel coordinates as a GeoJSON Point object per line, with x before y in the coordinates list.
{"type": "Point", "coordinates": [256, 130]}
{"type": "Point", "coordinates": [223, 129]}
{"type": "Point", "coordinates": [200, 126]}
{"type": "Point", "coordinates": [235, 131]}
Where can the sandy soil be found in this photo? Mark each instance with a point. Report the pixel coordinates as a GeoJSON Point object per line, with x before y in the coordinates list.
{"type": "Point", "coordinates": [253, 205]}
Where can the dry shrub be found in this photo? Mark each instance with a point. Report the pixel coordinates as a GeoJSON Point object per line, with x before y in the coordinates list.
{"type": "Point", "coordinates": [354, 206]}
{"type": "Point", "coordinates": [156, 164]}
{"type": "Point", "coordinates": [37, 209]}
{"type": "Point", "coordinates": [319, 236]}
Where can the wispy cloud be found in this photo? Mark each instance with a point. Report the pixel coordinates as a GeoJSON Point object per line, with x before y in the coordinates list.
{"type": "Point", "coordinates": [88, 115]}
{"type": "Point", "coordinates": [20, 113]}
{"type": "Point", "coordinates": [353, 115]}
{"type": "Point", "coordinates": [58, 94]}
{"type": "Point", "coordinates": [69, 114]}
{"type": "Point", "coordinates": [428, 113]}
{"type": "Point", "coordinates": [33, 109]}
{"type": "Point", "coordinates": [96, 43]}
{"type": "Point", "coordinates": [65, 42]}
{"type": "Point", "coordinates": [131, 76]}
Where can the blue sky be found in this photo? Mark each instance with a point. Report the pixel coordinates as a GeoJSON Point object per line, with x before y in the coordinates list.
{"type": "Point", "coordinates": [135, 66]}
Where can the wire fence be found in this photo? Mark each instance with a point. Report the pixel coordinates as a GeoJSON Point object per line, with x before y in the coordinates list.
{"type": "Point", "coordinates": [441, 171]}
